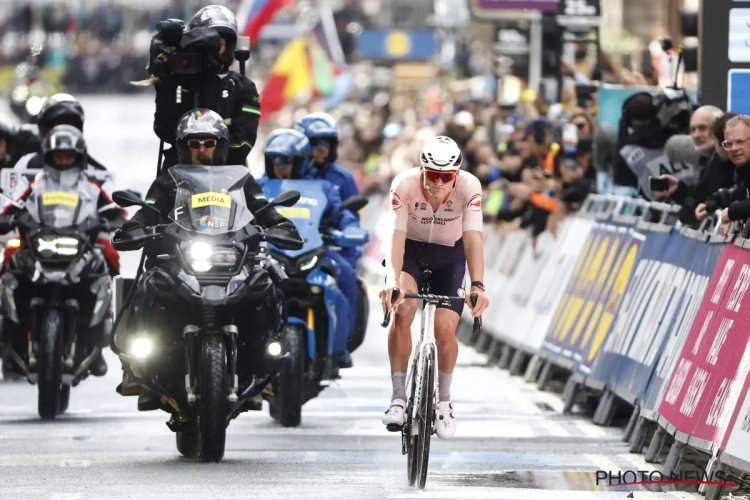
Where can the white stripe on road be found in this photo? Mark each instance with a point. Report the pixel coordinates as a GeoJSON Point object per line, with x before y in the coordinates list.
{"type": "Point", "coordinates": [603, 463]}
{"type": "Point", "coordinates": [590, 430]}
{"type": "Point", "coordinates": [554, 428]}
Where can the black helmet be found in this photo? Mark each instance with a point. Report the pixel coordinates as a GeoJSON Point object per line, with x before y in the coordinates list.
{"type": "Point", "coordinates": [222, 20]}
{"type": "Point", "coordinates": [202, 124]}
{"type": "Point", "coordinates": [7, 130]}
{"type": "Point", "coordinates": [58, 110]}
{"type": "Point", "coordinates": [64, 138]}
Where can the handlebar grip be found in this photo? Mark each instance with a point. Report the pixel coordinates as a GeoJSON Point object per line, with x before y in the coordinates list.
{"type": "Point", "coordinates": [394, 297]}
{"type": "Point", "coordinates": [478, 320]}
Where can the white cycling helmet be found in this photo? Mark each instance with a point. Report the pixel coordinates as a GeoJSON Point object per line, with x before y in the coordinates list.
{"type": "Point", "coordinates": [441, 153]}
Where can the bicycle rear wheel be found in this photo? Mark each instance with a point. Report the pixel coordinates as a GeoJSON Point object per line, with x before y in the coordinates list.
{"type": "Point", "coordinates": [419, 451]}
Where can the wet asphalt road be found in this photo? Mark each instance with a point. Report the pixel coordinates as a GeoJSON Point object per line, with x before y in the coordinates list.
{"type": "Point", "coordinates": [512, 441]}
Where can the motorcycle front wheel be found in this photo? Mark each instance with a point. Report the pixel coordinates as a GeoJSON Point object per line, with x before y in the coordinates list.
{"type": "Point", "coordinates": [213, 404]}
{"type": "Point", "coordinates": [49, 364]}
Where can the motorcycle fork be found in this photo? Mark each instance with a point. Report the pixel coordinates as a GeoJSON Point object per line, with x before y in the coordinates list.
{"type": "Point", "coordinates": [190, 333]}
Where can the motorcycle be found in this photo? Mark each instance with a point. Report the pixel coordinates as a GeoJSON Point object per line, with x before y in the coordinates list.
{"type": "Point", "coordinates": [193, 338]}
{"type": "Point", "coordinates": [312, 296]}
{"type": "Point", "coordinates": [56, 294]}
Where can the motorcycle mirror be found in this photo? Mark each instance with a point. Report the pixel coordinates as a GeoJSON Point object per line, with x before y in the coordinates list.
{"type": "Point", "coordinates": [355, 203]}
{"type": "Point", "coordinates": [286, 199]}
{"type": "Point", "coordinates": [127, 198]}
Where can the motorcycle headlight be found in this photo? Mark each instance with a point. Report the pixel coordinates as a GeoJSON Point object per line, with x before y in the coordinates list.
{"type": "Point", "coordinates": [308, 263]}
{"type": "Point", "coordinates": [202, 257]}
{"type": "Point", "coordinates": [34, 104]}
{"type": "Point", "coordinates": [57, 246]}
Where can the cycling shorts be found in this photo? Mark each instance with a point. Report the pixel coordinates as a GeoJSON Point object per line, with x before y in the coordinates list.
{"type": "Point", "coordinates": [448, 266]}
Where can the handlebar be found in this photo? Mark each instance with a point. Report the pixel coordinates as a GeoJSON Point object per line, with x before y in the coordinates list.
{"type": "Point", "coordinates": [431, 298]}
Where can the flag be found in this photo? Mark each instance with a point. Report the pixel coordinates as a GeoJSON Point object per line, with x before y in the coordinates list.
{"type": "Point", "coordinates": [312, 64]}
{"type": "Point", "coordinates": [289, 77]}
{"type": "Point", "coordinates": [255, 14]}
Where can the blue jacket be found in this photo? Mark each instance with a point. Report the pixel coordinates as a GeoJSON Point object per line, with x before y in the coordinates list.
{"type": "Point", "coordinates": [341, 218]}
{"type": "Point", "coordinates": [339, 176]}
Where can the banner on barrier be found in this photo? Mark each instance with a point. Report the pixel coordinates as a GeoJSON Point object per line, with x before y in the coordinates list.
{"type": "Point", "coordinates": [583, 318]}
{"type": "Point", "coordinates": [554, 278]}
{"type": "Point", "coordinates": [649, 309]}
{"type": "Point", "coordinates": [706, 261]}
{"type": "Point", "coordinates": [713, 364]}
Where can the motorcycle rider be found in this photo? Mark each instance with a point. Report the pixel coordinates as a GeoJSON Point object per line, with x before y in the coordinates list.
{"type": "Point", "coordinates": [211, 33]}
{"type": "Point", "coordinates": [320, 129]}
{"type": "Point", "coordinates": [202, 138]}
{"type": "Point", "coordinates": [286, 154]}
{"type": "Point", "coordinates": [65, 160]}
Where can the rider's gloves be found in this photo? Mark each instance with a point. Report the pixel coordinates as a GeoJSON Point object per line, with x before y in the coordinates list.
{"type": "Point", "coordinates": [285, 230]}
{"type": "Point", "coordinates": [133, 229]}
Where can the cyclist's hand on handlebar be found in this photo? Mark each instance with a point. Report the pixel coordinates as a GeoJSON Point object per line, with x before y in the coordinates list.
{"type": "Point", "coordinates": [481, 304]}
{"type": "Point", "coordinates": [387, 301]}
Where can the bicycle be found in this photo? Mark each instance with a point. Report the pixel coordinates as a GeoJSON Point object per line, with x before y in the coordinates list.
{"type": "Point", "coordinates": [421, 377]}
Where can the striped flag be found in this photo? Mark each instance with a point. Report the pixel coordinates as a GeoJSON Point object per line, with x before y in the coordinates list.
{"type": "Point", "coordinates": [253, 15]}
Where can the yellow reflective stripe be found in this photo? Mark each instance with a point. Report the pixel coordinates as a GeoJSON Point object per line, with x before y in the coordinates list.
{"type": "Point", "coordinates": [251, 110]}
{"type": "Point", "coordinates": [242, 144]}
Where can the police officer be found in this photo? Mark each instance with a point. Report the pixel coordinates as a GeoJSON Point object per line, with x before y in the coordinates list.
{"type": "Point", "coordinates": [286, 154]}
{"type": "Point", "coordinates": [202, 138]}
{"type": "Point", "coordinates": [192, 71]}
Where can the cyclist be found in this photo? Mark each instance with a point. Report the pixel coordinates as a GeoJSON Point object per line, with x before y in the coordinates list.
{"type": "Point", "coordinates": [437, 214]}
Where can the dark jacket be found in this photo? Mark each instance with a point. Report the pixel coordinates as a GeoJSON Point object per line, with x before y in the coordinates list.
{"type": "Point", "coordinates": [233, 96]}
{"type": "Point", "coordinates": [717, 174]}
{"type": "Point", "coordinates": [163, 191]}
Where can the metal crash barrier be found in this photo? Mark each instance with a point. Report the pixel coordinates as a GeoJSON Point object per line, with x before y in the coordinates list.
{"type": "Point", "coordinates": [628, 307]}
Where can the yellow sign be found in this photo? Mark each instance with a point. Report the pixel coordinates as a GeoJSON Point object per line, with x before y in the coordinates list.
{"type": "Point", "coordinates": [60, 198]}
{"type": "Point", "coordinates": [294, 213]}
{"type": "Point", "coordinates": [215, 199]}
{"type": "Point", "coordinates": [397, 44]}
{"type": "Point", "coordinates": [618, 292]}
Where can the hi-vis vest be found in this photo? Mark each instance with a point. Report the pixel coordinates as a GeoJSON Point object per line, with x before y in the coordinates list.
{"type": "Point", "coordinates": [645, 163]}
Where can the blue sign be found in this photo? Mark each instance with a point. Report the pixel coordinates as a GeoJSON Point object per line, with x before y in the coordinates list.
{"type": "Point", "coordinates": [702, 267]}
{"type": "Point", "coordinates": [394, 45]}
{"type": "Point", "coordinates": [650, 308]}
{"type": "Point", "coordinates": [738, 91]}
{"type": "Point", "coordinates": [611, 97]}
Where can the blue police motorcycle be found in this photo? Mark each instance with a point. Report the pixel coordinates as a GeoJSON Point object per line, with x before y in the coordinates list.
{"type": "Point", "coordinates": [313, 299]}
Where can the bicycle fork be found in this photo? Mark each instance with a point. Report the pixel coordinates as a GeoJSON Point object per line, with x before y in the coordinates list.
{"type": "Point", "coordinates": [427, 338]}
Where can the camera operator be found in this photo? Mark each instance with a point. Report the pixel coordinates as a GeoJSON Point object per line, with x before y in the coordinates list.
{"type": "Point", "coordinates": [737, 142]}
{"type": "Point", "coordinates": [191, 70]}
{"type": "Point", "coordinates": [646, 125]}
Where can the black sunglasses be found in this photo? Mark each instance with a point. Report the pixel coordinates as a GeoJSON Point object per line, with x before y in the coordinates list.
{"type": "Point", "coordinates": [197, 143]}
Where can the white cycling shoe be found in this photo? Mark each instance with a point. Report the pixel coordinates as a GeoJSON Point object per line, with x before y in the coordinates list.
{"type": "Point", "coordinates": [445, 426]}
{"type": "Point", "coordinates": [395, 416]}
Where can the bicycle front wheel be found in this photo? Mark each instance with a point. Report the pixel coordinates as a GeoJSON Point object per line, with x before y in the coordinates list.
{"type": "Point", "coordinates": [424, 419]}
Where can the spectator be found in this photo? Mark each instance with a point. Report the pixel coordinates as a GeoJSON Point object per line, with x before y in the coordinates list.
{"type": "Point", "coordinates": [717, 174]}
{"type": "Point", "coordinates": [737, 142]}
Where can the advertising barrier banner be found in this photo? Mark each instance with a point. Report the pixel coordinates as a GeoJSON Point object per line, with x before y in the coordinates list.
{"type": "Point", "coordinates": [713, 364]}
{"type": "Point", "coordinates": [649, 308]}
{"type": "Point", "coordinates": [590, 302]}
{"type": "Point", "coordinates": [555, 276]}
{"type": "Point", "coordinates": [703, 266]}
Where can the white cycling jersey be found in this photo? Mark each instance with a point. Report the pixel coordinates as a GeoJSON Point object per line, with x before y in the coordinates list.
{"type": "Point", "coordinates": [460, 212]}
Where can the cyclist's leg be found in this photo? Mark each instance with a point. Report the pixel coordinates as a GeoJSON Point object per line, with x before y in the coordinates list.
{"type": "Point", "coordinates": [448, 280]}
{"type": "Point", "coordinates": [399, 344]}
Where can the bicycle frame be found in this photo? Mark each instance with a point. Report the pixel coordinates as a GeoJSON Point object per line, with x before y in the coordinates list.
{"type": "Point", "coordinates": [426, 338]}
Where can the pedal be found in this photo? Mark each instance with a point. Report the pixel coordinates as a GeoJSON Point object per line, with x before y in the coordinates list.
{"type": "Point", "coordinates": [394, 427]}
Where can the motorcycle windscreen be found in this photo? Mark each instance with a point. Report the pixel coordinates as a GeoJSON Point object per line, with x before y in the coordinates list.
{"type": "Point", "coordinates": [211, 200]}
{"type": "Point", "coordinates": [58, 208]}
